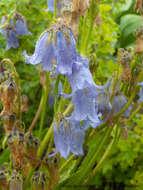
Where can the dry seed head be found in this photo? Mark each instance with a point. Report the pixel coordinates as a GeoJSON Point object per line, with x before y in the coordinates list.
{"type": "Point", "coordinates": [9, 122]}
{"type": "Point", "coordinates": [4, 178]}
{"type": "Point", "coordinates": [16, 181]}
{"type": "Point", "coordinates": [31, 147]}
{"type": "Point", "coordinates": [81, 6]}
{"type": "Point", "coordinates": [8, 92]}
{"type": "Point", "coordinates": [15, 142]}
{"type": "Point", "coordinates": [139, 6]}
{"type": "Point", "coordinates": [40, 181]}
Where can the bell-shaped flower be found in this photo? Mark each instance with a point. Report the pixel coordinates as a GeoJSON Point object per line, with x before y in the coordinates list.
{"type": "Point", "coordinates": [85, 106]}
{"type": "Point", "coordinates": [103, 103]}
{"type": "Point", "coordinates": [77, 138]}
{"type": "Point", "coordinates": [50, 5]}
{"type": "Point", "coordinates": [44, 52]}
{"type": "Point", "coordinates": [118, 103]}
{"type": "Point", "coordinates": [20, 25]}
{"type": "Point", "coordinates": [66, 51]}
{"type": "Point", "coordinates": [56, 50]}
{"type": "Point", "coordinates": [69, 137]}
{"type": "Point", "coordinates": [12, 38]}
{"type": "Point", "coordinates": [10, 34]}
{"type": "Point", "coordinates": [62, 136]}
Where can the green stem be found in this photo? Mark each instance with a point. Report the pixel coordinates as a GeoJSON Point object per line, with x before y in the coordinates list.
{"type": "Point", "coordinates": [55, 8]}
{"type": "Point", "coordinates": [72, 157]}
{"type": "Point", "coordinates": [8, 19]}
{"type": "Point", "coordinates": [130, 100]}
{"type": "Point", "coordinates": [44, 102]}
{"type": "Point", "coordinates": [136, 111]}
{"type": "Point", "coordinates": [86, 170]}
{"type": "Point", "coordinates": [115, 84]}
{"type": "Point", "coordinates": [56, 93]}
{"type": "Point", "coordinates": [37, 115]}
{"type": "Point", "coordinates": [28, 177]}
{"type": "Point", "coordinates": [93, 9]}
{"type": "Point", "coordinates": [102, 159]}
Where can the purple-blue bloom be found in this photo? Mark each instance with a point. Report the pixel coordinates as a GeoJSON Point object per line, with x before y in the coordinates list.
{"type": "Point", "coordinates": [68, 137]}
{"type": "Point", "coordinates": [60, 4]}
{"type": "Point", "coordinates": [103, 103]}
{"type": "Point", "coordinates": [60, 56]}
{"type": "Point", "coordinates": [66, 51]}
{"type": "Point", "coordinates": [10, 34]}
{"type": "Point", "coordinates": [13, 30]}
{"type": "Point", "coordinates": [20, 25]}
{"type": "Point", "coordinates": [118, 103]}
{"type": "Point", "coordinates": [44, 53]}
{"type": "Point", "coordinates": [12, 39]}
{"type": "Point", "coordinates": [50, 5]}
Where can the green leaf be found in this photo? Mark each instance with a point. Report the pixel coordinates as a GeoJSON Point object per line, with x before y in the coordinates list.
{"type": "Point", "coordinates": [128, 25]}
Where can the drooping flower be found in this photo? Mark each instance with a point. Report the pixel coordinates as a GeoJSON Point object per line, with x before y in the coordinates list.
{"type": "Point", "coordinates": [69, 137]}
{"type": "Point", "coordinates": [62, 139]}
{"type": "Point", "coordinates": [118, 103]}
{"type": "Point", "coordinates": [12, 38]}
{"type": "Point", "coordinates": [10, 34]}
{"type": "Point", "coordinates": [50, 5]}
{"type": "Point", "coordinates": [103, 103]}
{"type": "Point", "coordinates": [56, 50]}
{"type": "Point", "coordinates": [85, 94]}
{"type": "Point", "coordinates": [20, 25]}
{"type": "Point", "coordinates": [66, 51]}
{"type": "Point", "coordinates": [60, 5]}
{"type": "Point", "coordinates": [17, 26]}
{"type": "Point", "coordinates": [44, 52]}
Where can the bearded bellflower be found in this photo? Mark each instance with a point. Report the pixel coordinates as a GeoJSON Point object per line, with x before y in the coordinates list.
{"type": "Point", "coordinates": [103, 103]}
{"type": "Point", "coordinates": [44, 52]}
{"type": "Point", "coordinates": [60, 5]}
{"type": "Point", "coordinates": [16, 27]}
{"type": "Point", "coordinates": [69, 137]}
{"type": "Point", "coordinates": [118, 103]}
{"type": "Point", "coordinates": [10, 33]}
{"type": "Point", "coordinates": [20, 25]}
{"type": "Point", "coordinates": [56, 50]}
{"type": "Point", "coordinates": [84, 94]}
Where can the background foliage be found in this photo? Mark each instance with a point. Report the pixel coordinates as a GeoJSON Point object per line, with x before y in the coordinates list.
{"type": "Point", "coordinates": [123, 169]}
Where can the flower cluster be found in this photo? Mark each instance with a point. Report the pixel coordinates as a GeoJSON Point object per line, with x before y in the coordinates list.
{"type": "Point", "coordinates": [16, 27]}
{"type": "Point", "coordinates": [56, 50]}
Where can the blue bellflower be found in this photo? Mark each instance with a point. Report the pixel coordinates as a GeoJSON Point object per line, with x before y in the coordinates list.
{"type": "Point", "coordinates": [10, 34]}
{"type": "Point", "coordinates": [103, 104]}
{"type": "Point", "coordinates": [50, 5]}
{"type": "Point", "coordinates": [68, 138]}
{"type": "Point", "coordinates": [60, 5]}
{"type": "Point", "coordinates": [44, 53]}
{"type": "Point", "coordinates": [63, 51]}
{"type": "Point", "coordinates": [118, 103]}
{"type": "Point", "coordinates": [66, 51]}
{"type": "Point", "coordinates": [84, 94]}
{"type": "Point", "coordinates": [21, 26]}
{"type": "Point", "coordinates": [13, 30]}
